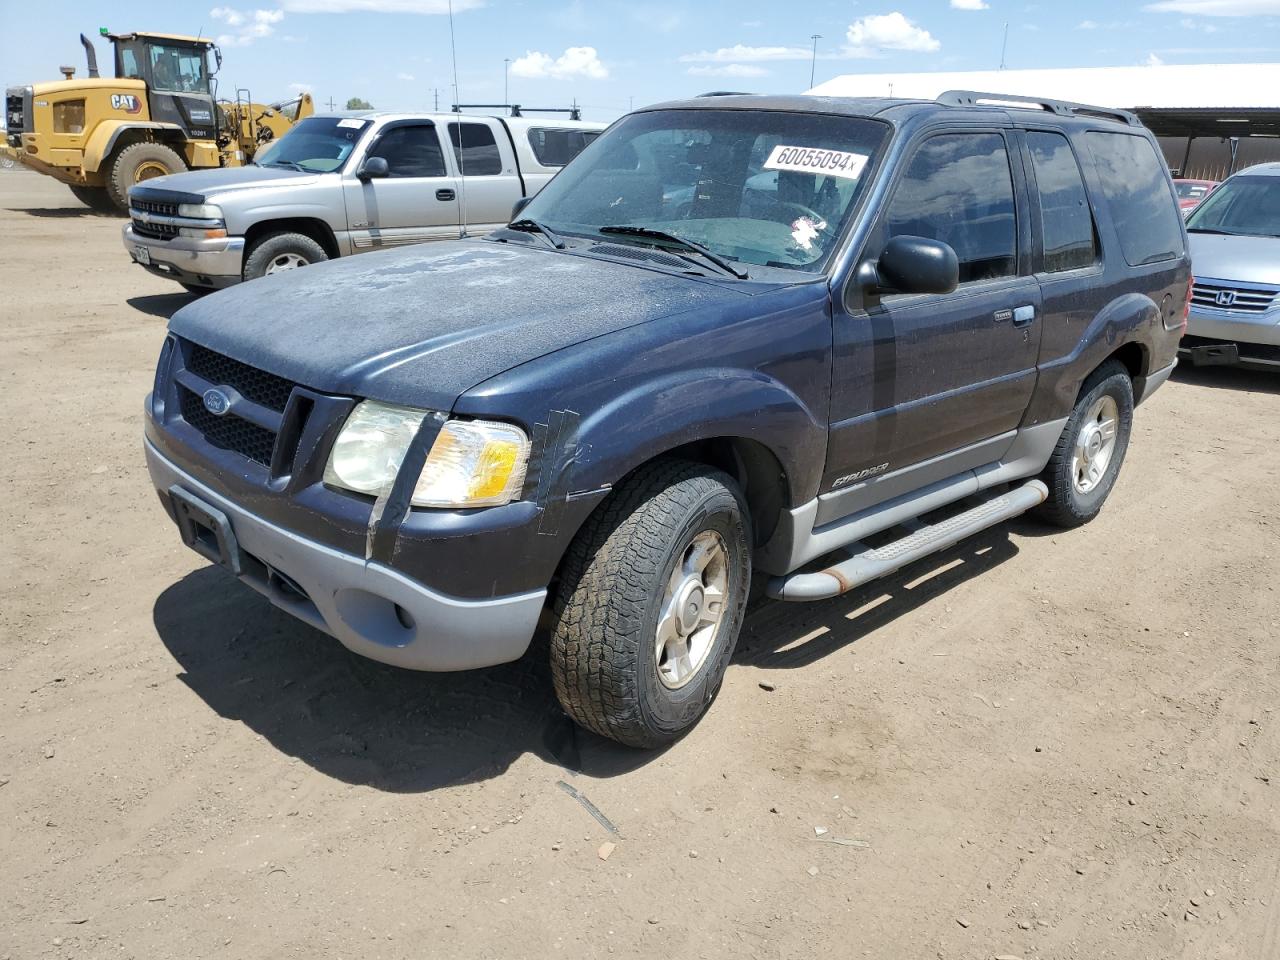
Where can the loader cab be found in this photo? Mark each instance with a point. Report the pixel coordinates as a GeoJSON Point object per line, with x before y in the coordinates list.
{"type": "Point", "coordinates": [179, 80]}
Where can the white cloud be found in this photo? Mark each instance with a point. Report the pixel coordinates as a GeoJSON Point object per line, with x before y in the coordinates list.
{"type": "Point", "coordinates": [752, 24]}
{"type": "Point", "coordinates": [574, 62]}
{"type": "Point", "coordinates": [890, 31]}
{"type": "Point", "coordinates": [379, 6]}
{"type": "Point", "coordinates": [728, 70]}
{"type": "Point", "coordinates": [1152, 61]}
{"type": "Point", "coordinates": [1217, 8]}
{"type": "Point", "coordinates": [247, 25]}
{"type": "Point", "coordinates": [740, 53]}
{"type": "Point", "coordinates": [969, 5]}
{"type": "Point", "coordinates": [300, 87]}
{"type": "Point", "coordinates": [404, 76]}
{"type": "Point", "coordinates": [1087, 25]}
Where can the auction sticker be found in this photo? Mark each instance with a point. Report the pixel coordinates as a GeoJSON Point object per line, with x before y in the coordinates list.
{"type": "Point", "coordinates": [833, 163]}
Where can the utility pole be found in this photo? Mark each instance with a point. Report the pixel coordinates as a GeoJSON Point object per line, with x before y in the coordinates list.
{"type": "Point", "coordinates": [506, 71]}
{"type": "Point", "coordinates": [813, 63]}
{"type": "Point", "coordinates": [330, 104]}
{"type": "Point", "coordinates": [436, 90]}
{"type": "Point", "coordinates": [1004, 44]}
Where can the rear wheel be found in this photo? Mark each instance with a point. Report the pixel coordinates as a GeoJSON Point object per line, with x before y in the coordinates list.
{"type": "Point", "coordinates": [650, 604]}
{"type": "Point", "coordinates": [95, 198]}
{"type": "Point", "coordinates": [1087, 459]}
{"type": "Point", "coordinates": [278, 252]}
{"type": "Point", "coordinates": [138, 163]}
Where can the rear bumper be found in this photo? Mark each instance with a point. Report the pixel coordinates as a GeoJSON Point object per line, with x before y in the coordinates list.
{"type": "Point", "coordinates": [200, 263]}
{"type": "Point", "coordinates": [370, 608]}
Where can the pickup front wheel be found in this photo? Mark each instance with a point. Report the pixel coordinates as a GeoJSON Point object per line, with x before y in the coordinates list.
{"type": "Point", "coordinates": [650, 604]}
{"type": "Point", "coordinates": [277, 252]}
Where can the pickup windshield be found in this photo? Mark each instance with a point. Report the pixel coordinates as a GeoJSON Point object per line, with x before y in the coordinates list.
{"type": "Point", "coordinates": [757, 187]}
{"type": "Point", "coordinates": [1242, 205]}
{"type": "Point", "coordinates": [316, 145]}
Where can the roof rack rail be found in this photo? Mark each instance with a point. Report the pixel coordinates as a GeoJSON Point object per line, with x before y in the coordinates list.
{"type": "Point", "coordinates": [517, 110]}
{"type": "Point", "coordinates": [1063, 108]}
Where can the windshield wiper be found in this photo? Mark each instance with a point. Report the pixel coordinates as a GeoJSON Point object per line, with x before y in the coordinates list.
{"type": "Point", "coordinates": [529, 225]}
{"type": "Point", "coordinates": [286, 163]}
{"type": "Point", "coordinates": [1225, 233]}
{"type": "Point", "coordinates": [629, 230]}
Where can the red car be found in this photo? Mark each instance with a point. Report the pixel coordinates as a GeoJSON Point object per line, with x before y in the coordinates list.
{"type": "Point", "coordinates": [1191, 192]}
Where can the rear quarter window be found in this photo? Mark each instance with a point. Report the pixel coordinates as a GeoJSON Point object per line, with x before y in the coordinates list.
{"type": "Point", "coordinates": [1142, 205]}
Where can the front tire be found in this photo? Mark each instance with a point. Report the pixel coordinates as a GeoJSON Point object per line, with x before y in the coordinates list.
{"type": "Point", "coordinates": [138, 163]}
{"type": "Point", "coordinates": [651, 600]}
{"type": "Point", "coordinates": [1087, 459]}
{"type": "Point", "coordinates": [278, 252]}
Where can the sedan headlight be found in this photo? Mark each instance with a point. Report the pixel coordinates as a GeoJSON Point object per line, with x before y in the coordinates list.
{"type": "Point", "coordinates": [200, 211]}
{"type": "Point", "coordinates": [473, 463]}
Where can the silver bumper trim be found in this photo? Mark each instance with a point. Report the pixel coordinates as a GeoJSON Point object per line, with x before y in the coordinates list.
{"type": "Point", "coordinates": [213, 263]}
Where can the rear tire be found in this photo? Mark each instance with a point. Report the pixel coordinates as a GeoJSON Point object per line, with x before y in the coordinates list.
{"type": "Point", "coordinates": [664, 560]}
{"type": "Point", "coordinates": [1087, 459]}
{"type": "Point", "coordinates": [96, 199]}
{"type": "Point", "coordinates": [138, 163]}
{"type": "Point", "coordinates": [277, 252]}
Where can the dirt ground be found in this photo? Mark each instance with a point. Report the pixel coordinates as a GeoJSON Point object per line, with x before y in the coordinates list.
{"type": "Point", "coordinates": [1042, 744]}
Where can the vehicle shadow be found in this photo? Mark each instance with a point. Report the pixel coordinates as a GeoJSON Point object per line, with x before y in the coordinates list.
{"type": "Point", "coordinates": [1228, 378]}
{"type": "Point", "coordinates": [65, 213]}
{"type": "Point", "coordinates": [163, 305]}
{"type": "Point", "coordinates": [406, 732]}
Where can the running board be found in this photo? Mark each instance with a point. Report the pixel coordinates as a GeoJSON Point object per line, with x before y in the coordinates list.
{"type": "Point", "coordinates": [874, 563]}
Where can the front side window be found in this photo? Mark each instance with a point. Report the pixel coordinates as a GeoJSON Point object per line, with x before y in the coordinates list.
{"type": "Point", "coordinates": [1066, 225]}
{"type": "Point", "coordinates": [412, 151]}
{"type": "Point", "coordinates": [178, 69]}
{"type": "Point", "coordinates": [1245, 205]}
{"type": "Point", "coordinates": [759, 187]}
{"type": "Point", "coordinates": [475, 150]}
{"type": "Point", "coordinates": [316, 145]}
{"type": "Point", "coordinates": [958, 189]}
{"type": "Point", "coordinates": [1142, 206]}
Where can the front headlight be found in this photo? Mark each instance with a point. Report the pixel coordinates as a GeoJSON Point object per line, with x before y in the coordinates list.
{"type": "Point", "coordinates": [473, 463]}
{"type": "Point", "coordinates": [200, 211]}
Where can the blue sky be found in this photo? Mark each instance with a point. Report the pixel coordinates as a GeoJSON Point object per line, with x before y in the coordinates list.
{"type": "Point", "coordinates": [611, 54]}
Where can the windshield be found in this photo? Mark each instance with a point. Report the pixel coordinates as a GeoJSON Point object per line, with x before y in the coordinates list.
{"type": "Point", "coordinates": [1242, 205]}
{"type": "Point", "coordinates": [756, 187]}
{"type": "Point", "coordinates": [1189, 190]}
{"type": "Point", "coordinates": [176, 69]}
{"type": "Point", "coordinates": [316, 144]}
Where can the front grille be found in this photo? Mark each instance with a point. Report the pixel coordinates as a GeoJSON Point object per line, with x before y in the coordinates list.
{"type": "Point", "coordinates": [261, 387]}
{"type": "Point", "coordinates": [154, 231]}
{"type": "Point", "coordinates": [1244, 300]}
{"type": "Point", "coordinates": [228, 431]}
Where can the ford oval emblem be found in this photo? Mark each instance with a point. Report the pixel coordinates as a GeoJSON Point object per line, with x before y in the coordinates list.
{"type": "Point", "coordinates": [216, 402]}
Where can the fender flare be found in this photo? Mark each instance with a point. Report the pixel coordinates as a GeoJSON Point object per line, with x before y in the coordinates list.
{"type": "Point", "coordinates": [107, 133]}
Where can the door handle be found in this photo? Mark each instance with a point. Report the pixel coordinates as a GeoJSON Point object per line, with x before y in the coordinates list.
{"type": "Point", "coordinates": [444, 193]}
{"type": "Point", "coordinates": [1022, 316]}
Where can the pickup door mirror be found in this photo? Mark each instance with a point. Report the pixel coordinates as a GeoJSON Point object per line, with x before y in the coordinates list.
{"type": "Point", "coordinates": [373, 168]}
{"type": "Point", "coordinates": [518, 207]}
{"type": "Point", "coordinates": [911, 265]}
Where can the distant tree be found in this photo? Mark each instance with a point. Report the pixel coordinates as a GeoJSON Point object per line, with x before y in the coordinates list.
{"type": "Point", "coordinates": [355, 103]}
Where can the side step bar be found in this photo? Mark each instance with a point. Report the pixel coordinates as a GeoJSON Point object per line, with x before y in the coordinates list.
{"type": "Point", "coordinates": [873, 563]}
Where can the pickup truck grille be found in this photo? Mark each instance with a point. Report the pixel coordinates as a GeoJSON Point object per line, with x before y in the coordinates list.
{"type": "Point", "coordinates": [204, 369]}
{"type": "Point", "coordinates": [1221, 297]}
{"type": "Point", "coordinates": [154, 231]}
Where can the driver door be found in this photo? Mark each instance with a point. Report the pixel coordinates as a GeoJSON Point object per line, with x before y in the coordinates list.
{"type": "Point", "coordinates": [416, 201]}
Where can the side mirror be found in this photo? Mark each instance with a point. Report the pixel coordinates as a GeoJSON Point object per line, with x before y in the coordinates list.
{"type": "Point", "coordinates": [911, 265]}
{"type": "Point", "coordinates": [518, 207]}
{"type": "Point", "coordinates": [373, 168]}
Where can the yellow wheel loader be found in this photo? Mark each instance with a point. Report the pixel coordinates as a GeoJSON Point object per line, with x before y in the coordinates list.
{"type": "Point", "coordinates": [159, 115]}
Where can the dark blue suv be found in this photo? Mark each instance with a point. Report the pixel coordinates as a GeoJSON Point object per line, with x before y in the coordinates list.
{"type": "Point", "coordinates": [780, 336]}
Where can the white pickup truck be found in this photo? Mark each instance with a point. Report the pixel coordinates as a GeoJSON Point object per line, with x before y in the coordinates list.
{"type": "Point", "coordinates": [345, 183]}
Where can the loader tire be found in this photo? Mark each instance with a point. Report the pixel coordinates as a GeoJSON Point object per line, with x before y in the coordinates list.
{"type": "Point", "coordinates": [95, 198]}
{"type": "Point", "coordinates": [139, 162]}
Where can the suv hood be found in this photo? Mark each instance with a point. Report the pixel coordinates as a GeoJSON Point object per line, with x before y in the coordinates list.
{"type": "Point", "coordinates": [210, 183]}
{"type": "Point", "coordinates": [1248, 259]}
{"type": "Point", "coordinates": [422, 325]}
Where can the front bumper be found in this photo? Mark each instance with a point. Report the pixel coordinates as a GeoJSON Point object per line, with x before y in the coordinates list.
{"type": "Point", "coordinates": [1232, 337]}
{"type": "Point", "coordinates": [199, 263]}
{"type": "Point", "coordinates": [370, 608]}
